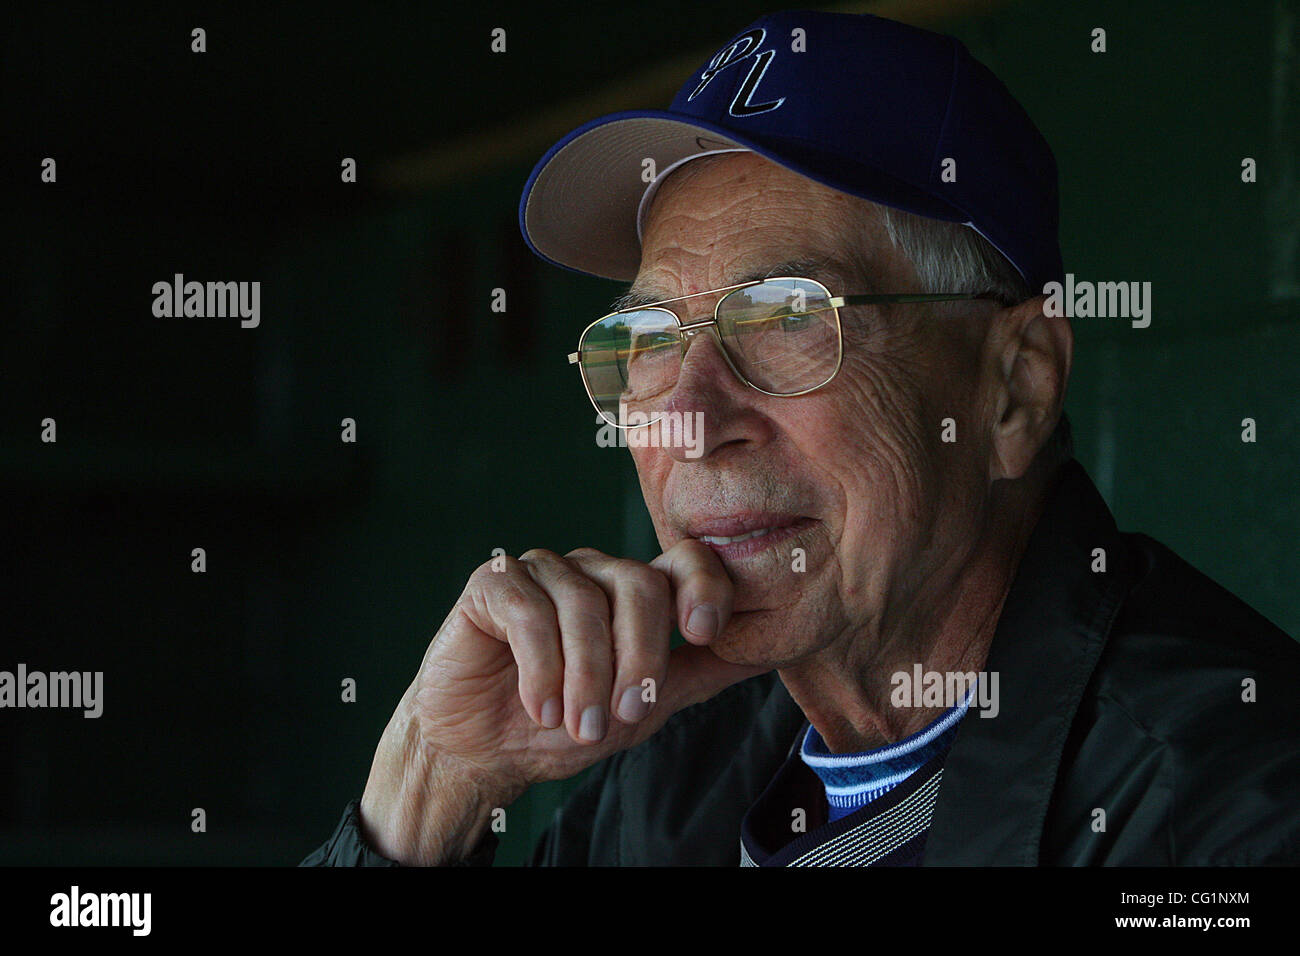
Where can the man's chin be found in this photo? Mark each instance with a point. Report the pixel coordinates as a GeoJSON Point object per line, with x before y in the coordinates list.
{"type": "Point", "coordinates": [757, 638]}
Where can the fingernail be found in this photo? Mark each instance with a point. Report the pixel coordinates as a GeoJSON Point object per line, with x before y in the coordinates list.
{"type": "Point", "coordinates": [632, 706]}
{"type": "Point", "coordinates": [552, 713]}
{"type": "Point", "coordinates": [593, 723]}
{"type": "Point", "coordinates": [703, 621]}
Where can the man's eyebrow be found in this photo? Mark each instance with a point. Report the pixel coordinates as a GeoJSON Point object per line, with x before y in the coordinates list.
{"type": "Point", "coordinates": [807, 267]}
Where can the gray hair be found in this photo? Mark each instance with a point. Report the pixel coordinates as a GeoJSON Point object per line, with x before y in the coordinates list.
{"type": "Point", "coordinates": [951, 257]}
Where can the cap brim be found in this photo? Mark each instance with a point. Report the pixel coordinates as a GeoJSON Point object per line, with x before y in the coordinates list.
{"type": "Point", "coordinates": [579, 207]}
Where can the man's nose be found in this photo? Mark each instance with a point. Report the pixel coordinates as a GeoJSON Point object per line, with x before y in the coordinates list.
{"type": "Point", "coordinates": [708, 388]}
{"type": "Point", "coordinates": [704, 377]}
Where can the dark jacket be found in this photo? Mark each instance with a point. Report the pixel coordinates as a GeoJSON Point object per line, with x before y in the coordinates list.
{"type": "Point", "coordinates": [1126, 691]}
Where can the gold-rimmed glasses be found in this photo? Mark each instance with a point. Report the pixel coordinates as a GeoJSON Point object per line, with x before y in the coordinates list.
{"type": "Point", "coordinates": [780, 335]}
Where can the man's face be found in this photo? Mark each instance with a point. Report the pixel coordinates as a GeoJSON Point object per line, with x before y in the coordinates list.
{"type": "Point", "coordinates": [869, 511]}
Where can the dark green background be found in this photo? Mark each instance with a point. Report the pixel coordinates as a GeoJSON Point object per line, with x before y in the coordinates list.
{"type": "Point", "coordinates": [328, 560]}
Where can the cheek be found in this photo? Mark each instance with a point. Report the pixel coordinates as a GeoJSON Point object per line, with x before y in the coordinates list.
{"type": "Point", "coordinates": [880, 441]}
{"type": "Point", "coordinates": [876, 436]}
{"type": "Point", "coordinates": [915, 405]}
{"type": "Point", "coordinates": [902, 483]}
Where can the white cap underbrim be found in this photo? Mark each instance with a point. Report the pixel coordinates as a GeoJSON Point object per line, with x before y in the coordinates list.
{"type": "Point", "coordinates": [584, 208]}
{"type": "Point", "coordinates": [654, 186]}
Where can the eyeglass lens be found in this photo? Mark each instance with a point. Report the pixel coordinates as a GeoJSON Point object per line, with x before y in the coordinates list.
{"type": "Point", "coordinates": [781, 335]}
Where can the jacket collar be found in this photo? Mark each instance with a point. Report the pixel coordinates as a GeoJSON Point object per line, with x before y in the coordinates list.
{"type": "Point", "coordinates": [999, 776]}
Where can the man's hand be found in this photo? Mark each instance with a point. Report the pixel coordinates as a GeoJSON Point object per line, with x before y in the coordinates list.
{"type": "Point", "coordinates": [543, 668]}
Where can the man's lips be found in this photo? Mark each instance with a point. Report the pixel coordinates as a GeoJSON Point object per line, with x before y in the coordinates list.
{"type": "Point", "coordinates": [734, 525]}
{"type": "Point", "coordinates": [739, 536]}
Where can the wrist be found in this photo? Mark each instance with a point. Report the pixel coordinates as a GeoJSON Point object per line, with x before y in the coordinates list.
{"type": "Point", "coordinates": [421, 808]}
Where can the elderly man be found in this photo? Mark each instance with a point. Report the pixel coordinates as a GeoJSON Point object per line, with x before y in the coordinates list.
{"type": "Point", "coordinates": [913, 632]}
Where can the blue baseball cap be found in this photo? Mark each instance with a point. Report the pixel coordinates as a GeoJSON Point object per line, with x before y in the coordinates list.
{"type": "Point", "coordinates": [868, 106]}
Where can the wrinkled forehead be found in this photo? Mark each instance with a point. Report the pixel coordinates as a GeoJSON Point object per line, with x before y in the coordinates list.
{"type": "Point", "coordinates": [738, 216]}
{"type": "Point", "coordinates": [732, 182]}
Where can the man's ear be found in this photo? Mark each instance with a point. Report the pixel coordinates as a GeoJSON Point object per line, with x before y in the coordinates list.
{"type": "Point", "coordinates": [1029, 356]}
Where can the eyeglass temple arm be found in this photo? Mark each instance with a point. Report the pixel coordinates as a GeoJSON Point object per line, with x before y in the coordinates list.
{"type": "Point", "coordinates": [840, 301]}
{"type": "Point", "coordinates": [843, 300]}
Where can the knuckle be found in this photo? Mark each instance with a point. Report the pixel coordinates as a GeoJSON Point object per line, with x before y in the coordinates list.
{"type": "Point", "coordinates": [582, 593]}
{"type": "Point", "coordinates": [632, 570]}
{"type": "Point", "coordinates": [585, 673]}
{"type": "Point", "coordinates": [586, 553]}
{"type": "Point", "coordinates": [588, 629]}
{"type": "Point", "coordinates": [516, 604]}
{"type": "Point", "coordinates": [537, 555]}
{"type": "Point", "coordinates": [648, 612]}
{"type": "Point", "coordinates": [655, 584]}
{"type": "Point", "coordinates": [485, 573]}
{"type": "Point", "coordinates": [641, 580]}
